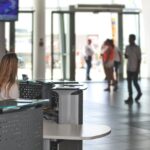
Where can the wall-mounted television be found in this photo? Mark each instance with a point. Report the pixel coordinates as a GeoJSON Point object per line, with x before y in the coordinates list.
{"type": "Point", "coordinates": [8, 10]}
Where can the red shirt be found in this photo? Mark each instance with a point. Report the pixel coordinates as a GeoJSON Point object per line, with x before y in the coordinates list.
{"type": "Point", "coordinates": [109, 54]}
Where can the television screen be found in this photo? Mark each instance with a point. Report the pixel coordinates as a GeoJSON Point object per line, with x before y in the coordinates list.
{"type": "Point", "coordinates": [8, 10]}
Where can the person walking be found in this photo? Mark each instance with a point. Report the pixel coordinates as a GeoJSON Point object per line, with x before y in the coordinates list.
{"type": "Point", "coordinates": [133, 56]}
{"type": "Point", "coordinates": [89, 51]}
{"type": "Point", "coordinates": [108, 62]}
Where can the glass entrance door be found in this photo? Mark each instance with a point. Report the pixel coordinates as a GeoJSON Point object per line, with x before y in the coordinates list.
{"type": "Point", "coordinates": [69, 31]}
{"type": "Point", "coordinates": [98, 27]}
{"type": "Point", "coordinates": [60, 50]}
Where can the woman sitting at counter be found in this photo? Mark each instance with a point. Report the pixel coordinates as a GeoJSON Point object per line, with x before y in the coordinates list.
{"type": "Point", "coordinates": [8, 72]}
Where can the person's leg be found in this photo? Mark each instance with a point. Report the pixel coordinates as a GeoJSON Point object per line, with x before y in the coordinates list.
{"type": "Point", "coordinates": [135, 81]}
{"type": "Point", "coordinates": [90, 65]}
{"type": "Point", "coordinates": [112, 78]}
{"type": "Point", "coordinates": [107, 71]}
{"type": "Point", "coordinates": [88, 61]}
{"type": "Point", "coordinates": [87, 68]}
{"type": "Point", "coordinates": [104, 68]}
{"type": "Point", "coordinates": [114, 81]}
{"type": "Point", "coordinates": [116, 68]}
{"type": "Point", "coordinates": [129, 82]}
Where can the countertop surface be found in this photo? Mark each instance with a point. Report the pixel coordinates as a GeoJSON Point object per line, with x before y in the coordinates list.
{"type": "Point", "coordinates": [74, 132]}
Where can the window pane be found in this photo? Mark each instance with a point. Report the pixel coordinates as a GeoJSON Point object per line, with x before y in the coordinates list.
{"type": "Point", "coordinates": [25, 3]}
{"type": "Point", "coordinates": [24, 44]}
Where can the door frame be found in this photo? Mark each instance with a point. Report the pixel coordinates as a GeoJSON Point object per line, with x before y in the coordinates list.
{"type": "Point", "coordinates": [71, 12]}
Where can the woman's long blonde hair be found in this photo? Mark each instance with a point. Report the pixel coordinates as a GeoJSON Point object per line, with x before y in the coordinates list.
{"type": "Point", "coordinates": [8, 71]}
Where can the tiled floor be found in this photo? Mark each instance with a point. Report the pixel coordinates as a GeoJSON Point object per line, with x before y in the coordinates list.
{"type": "Point", "coordinates": [130, 124]}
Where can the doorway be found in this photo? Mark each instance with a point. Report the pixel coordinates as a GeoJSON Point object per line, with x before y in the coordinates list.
{"type": "Point", "coordinates": [69, 51]}
{"type": "Point", "coordinates": [97, 27]}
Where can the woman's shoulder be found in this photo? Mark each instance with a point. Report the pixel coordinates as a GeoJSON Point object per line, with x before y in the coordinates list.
{"type": "Point", "coordinates": [15, 86]}
{"type": "Point", "coordinates": [14, 91]}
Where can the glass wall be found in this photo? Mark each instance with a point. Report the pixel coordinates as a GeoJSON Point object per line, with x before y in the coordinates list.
{"type": "Point", "coordinates": [133, 20]}
{"type": "Point", "coordinates": [26, 4]}
{"type": "Point", "coordinates": [24, 33]}
{"type": "Point", "coordinates": [96, 27]}
{"type": "Point", "coordinates": [24, 44]}
{"type": "Point", "coordinates": [48, 45]}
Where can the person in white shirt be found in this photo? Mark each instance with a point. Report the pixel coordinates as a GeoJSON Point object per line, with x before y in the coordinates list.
{"type": "Point", "coordinates": [8, 73]}
{"type": "Point", "coordinates": [133, 55]}
{"type": "Point", "coordinates": [88, 57]}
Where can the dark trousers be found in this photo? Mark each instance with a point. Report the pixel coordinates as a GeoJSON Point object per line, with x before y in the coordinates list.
{"type": "Point", "coordinates": [132, 77]}
{"type": "Point", "coordinates": [116, 66]}
{"type": "Point", "coordinates": [88, 61]}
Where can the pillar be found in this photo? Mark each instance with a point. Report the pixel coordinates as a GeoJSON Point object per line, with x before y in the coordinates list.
{"type": "Point", "coordinates": [2, 39]}
{"type": "Point", "coordinates": [120, 41]}
{"type": "Point", "coordinates": [146, 27]}
{"type": "Point", "coordinates": [39, 40]}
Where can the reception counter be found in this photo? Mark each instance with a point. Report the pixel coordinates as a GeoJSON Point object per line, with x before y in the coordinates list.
{"type": "Point", "coordinates": [21, 124]}
{"type": "Point", "coordinates": [70, 136]}
{"type": "Point", "coordinates": [70, 103]}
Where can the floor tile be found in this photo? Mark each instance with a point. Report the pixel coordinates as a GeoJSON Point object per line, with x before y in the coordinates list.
{"type": "Point", "coordinates": [130, 124]}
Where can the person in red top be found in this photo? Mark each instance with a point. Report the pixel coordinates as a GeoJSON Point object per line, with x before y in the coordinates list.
{"type": "Point", "coordinates": [108, 62]}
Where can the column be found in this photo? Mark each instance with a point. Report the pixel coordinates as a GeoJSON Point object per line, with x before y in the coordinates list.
{"type": "Point", "coordinates": [146, 28]}
{"type": "Point", "coordinates": [120, 41]}
{"type": "Point", "coordinates": [12, 36]}
{"type": "Point", "coordinates": [72, 42]}
{"type": "Point", "coordinates": [2, 39]}
{"type": "Point", "coordinates": [39, 40]}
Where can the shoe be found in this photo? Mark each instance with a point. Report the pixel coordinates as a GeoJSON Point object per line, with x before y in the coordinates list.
{"type": "Point", "coordinates": [138, 96]}
{"type": "Point", "coordinates": [129, 100]}
{"type": "Point", "coordinates": [107, 89]}
{"type": "Point", "coordinates": [105, 78]}
{"type": "Point", "coordinates": [115, 88]}
{"type": "Point", "coordinates": [88, 78]}
{"type": "Point", "coordinates": [114, 83]}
